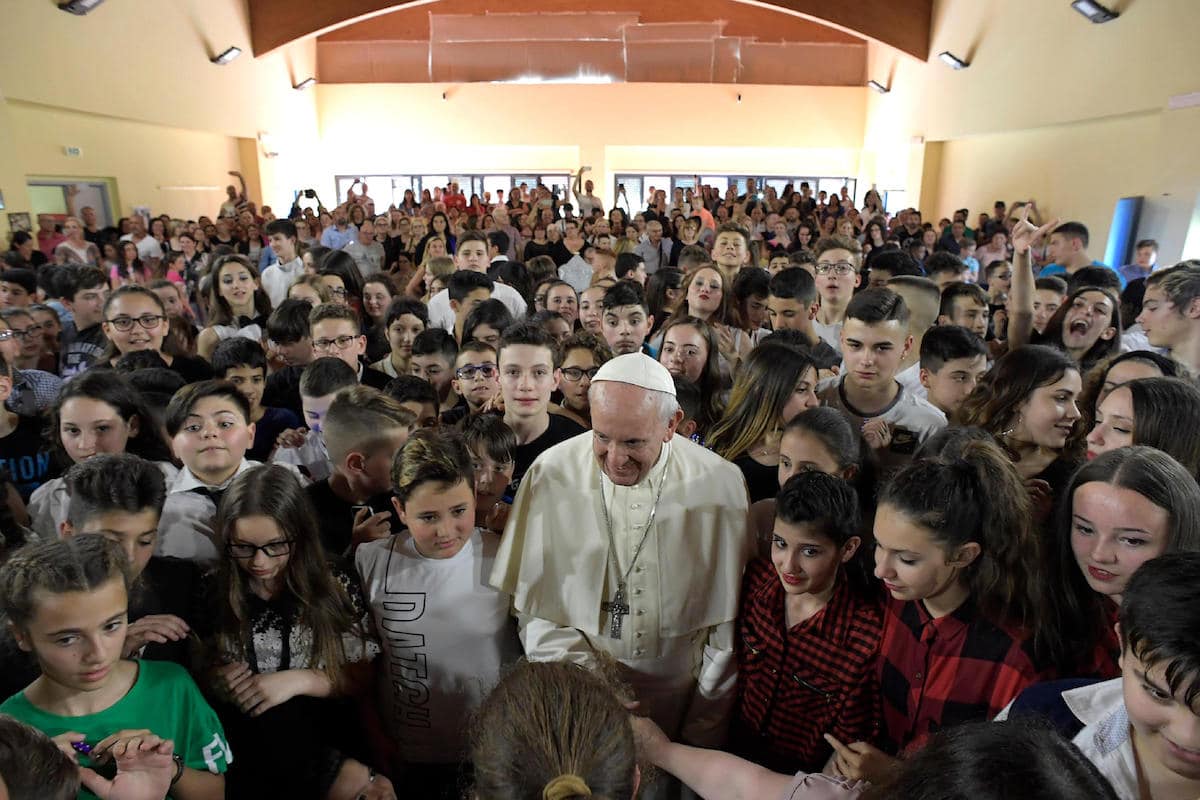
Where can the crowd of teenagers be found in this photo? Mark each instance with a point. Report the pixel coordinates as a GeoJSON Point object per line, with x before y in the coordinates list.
{"type": "Point", "coordinates": [304, 507]}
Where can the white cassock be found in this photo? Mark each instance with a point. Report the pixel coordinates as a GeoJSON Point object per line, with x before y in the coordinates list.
{"type": "Point", "coordinates": [676, 642]}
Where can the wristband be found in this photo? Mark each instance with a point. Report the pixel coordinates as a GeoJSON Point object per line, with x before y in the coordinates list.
{"type": "Point", "coordinates": [178, 759]}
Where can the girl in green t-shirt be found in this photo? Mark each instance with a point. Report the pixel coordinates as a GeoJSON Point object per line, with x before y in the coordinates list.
{"type": "Point", "coordinates": [66, 602]}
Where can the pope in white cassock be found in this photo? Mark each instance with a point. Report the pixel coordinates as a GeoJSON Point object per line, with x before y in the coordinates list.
{"type": "Point", "coordinates": [632, 541]}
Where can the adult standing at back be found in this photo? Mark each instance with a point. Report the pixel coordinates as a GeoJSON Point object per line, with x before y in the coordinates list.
{"type": "Point", "coordinates": [631, 541]}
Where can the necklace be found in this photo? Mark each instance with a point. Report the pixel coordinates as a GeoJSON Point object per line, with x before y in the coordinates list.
{"type": "Point", "coordinates": [618, 608]}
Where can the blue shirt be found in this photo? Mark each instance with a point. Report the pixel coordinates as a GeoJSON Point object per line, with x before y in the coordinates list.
{"type": "Point", "coordinates": [1058, 269]}
{"type": "Point", "coordinates": [334, 239]}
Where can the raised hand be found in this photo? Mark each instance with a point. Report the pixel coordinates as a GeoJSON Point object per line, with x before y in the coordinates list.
{"type": "Point", "coordinates": [1025, 234]}
{"type": "Point", "coordinates": [160, 628]}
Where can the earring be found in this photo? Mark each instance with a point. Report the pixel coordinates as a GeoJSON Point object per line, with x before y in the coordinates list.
{"type": "Point", "coordinates": [1007, 433]}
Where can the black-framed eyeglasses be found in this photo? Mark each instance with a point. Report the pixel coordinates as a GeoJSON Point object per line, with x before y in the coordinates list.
{"type": "Point", "coordinates": [468, 372]}
{"type": "Point", "coordinates": [270, 549]}
{"type": "Point", "coordinates": [32, 330]}
{"type": "Point", "coordinates": [338, 343]}
{"type": "Point", "coordinates": [842, 268]}
{"type": "Point", "coordinates": [337, 291]}
{"type": "Point", "coordinates": [575, 374]}
{"type": "Point", "coordinates": [147, 321]}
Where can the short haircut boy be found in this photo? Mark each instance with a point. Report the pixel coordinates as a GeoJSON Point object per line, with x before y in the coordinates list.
{"type": "Point", "coordinates": [1051, 283]}
{"type": "Point", "coordinates": [530, 333]}
{"type": "Point", "coordinates": [439, 457]}
{"type": "Point", "coordinates": [733, 227]}
{"type": "Point", "coordinates": [944, 262]}
{"type": "Point", "coordinates": [328, 311]}
{"type": "Point", "coordinates": [692, 256]}
{"type": "Point", "coordinates": [794, 283]}
{"type": "Point", "coordinates": [489, 435]}
{"type": "Point", "coordinates": [896, 263]}
{"type": "Point", "coordinates": [25, 278]}
{"type": "Point", "coordinates": [436, 342]}
{"type": "Point", "coordinates": [183, 403]}
{"type": "Point", "coordinates": [411, 389]}
{"type": "Point", "coordinates": [627, 263]}
{"type": "Point", "coordinates": [948, 342]}
{"type": "Point", "coordinates": [284, 226]}
{"type": "Point", "coordinates": [288, 323]}
{"type": "Point", "coordinates": [83, 278]}
{"type": "Point", "coordinates": [1180, 284]}
{"type": "Point", "coordinates": [1073, 230]}
{"type": "Point", "coordinates": [873, 306]}
{"type": "Point", "coordinates": [1159, 617]}
{"type": "Point", "coordinates": [463, 282]}
{"type": "Point", "coordinates": [1099, 277]}
{"type": "Point", "coordinates": [624, 293]}
{"type": "Point", "coordinates": [238, 352]}
{"type": "Point", "coordinates": [360, 420]}
{"type": "Point", "coordinates": [325, 376]}
{"type": "Point", "coordinates": [113, 482]}
{"type": "Point", "coordinates": [402, 306]}
{"type": "Point", "coordinates": [959, 289]}
{"type": "Point", "coordinates": [839, 242]}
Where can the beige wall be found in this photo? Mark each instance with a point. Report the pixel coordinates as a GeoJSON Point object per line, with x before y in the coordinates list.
{"type": "Point", "coordinates": [133, 79]}
{"type": "Point", "coordinates": [149, 174]}
{"type": "Point", "coordinates": [634, 127]}
{"type": "Point", "coordinates": [1052, 107]}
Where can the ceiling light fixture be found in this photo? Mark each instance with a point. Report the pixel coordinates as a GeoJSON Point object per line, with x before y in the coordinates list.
{"type": "Point", "coordinates": [879, 87]}
{"type": "Point", "coordinates": [952, 60]}
{"type": "Point", "coordinates": [229, 55]}
{"type": "Point", "coordinates": [79, 7]}
{"type": "Point", "coordinates": [1094, 11]}
{"type": "Point", "coordinates": [304, 84]}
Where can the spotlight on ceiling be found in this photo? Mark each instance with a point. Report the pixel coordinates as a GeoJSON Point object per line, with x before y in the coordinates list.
{"type": "Point", "coordinates": [877, 86]}
{"type": "Point", "coordinates": [952, 60]}
{"type": "Point", "coordinates": [1094, 11]}
{"type": "Point", "coordinates": [304, 84]}
{"type": "Point", "coordinates": [227, 56]}
{"type": "Point", "coordinates": [79, 7]}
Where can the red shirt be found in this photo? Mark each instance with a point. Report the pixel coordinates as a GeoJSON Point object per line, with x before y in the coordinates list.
{"type": "Point", "coordinates": [936, 673]}
{"type": "Point", "coordinates": [458, 201]}
{"type": "Point", "coordinates": [795, 684]}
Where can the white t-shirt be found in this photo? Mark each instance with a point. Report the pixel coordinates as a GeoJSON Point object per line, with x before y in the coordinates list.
{"type": "Point", "coordinates": [279, 277]}
{"type": "Point", "coordinates": [830, 334]}
{"type": "Point", "coordinates": [446, 637]}
{"type": "Point", "coordinates": [912, 420]}
{"type": "Point", "coordinates": [442, 316]}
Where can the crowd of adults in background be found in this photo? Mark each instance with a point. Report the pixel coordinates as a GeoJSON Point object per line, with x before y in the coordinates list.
{"type": "Point", "coordinates": [740, 492]}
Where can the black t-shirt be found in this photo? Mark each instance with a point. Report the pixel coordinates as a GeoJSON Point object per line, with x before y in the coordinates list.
{"type": "Point", "coordinates": [561, 428]}
{"type": "Point", "coordinates": [335, 516]}
{"type": "Point", "coordinates": [167, 586]}
{"type": "Point", "coordinates": [533, 249]}
{"type": "Point", "coordinates": [282, 390]}
{"type": "Point", "coordinates": [191, 368]}
{"type": "Point", "coordinates": [83, 349]}
{"type": "Point", "coordinates": [374, 378]}
{"type": "Point", "coordinates": [274, 422]}
{"type": "Point", "coordinates": [26, 456]}
{"type": "Point", "coordinates": [761, 480]}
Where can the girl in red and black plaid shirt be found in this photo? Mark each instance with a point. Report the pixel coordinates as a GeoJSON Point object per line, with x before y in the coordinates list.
{"type": "Point", "coordinates": [808, 632]}
{"type": "Point", "coordinates": [956, 552]}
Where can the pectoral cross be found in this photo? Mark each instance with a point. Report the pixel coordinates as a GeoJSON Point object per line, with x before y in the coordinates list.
{"type": "Point", "coordinates": [616, 609]}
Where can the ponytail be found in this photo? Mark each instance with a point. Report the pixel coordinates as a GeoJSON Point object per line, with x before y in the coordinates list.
{"type": "Point", "coordinates": [974, 494]}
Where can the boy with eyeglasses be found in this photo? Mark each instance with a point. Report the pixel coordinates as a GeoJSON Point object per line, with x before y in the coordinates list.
{"type": "Point", "coordinates": [839, 259]}
{"type": "Point", "coordinates": [33, 390]}
{"type": "Point", "coordinates": [336, 333]}
{"type": "Point", "coordinates": [476, 381]}
{"type": "Point", "coordinates": [28, 333]}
